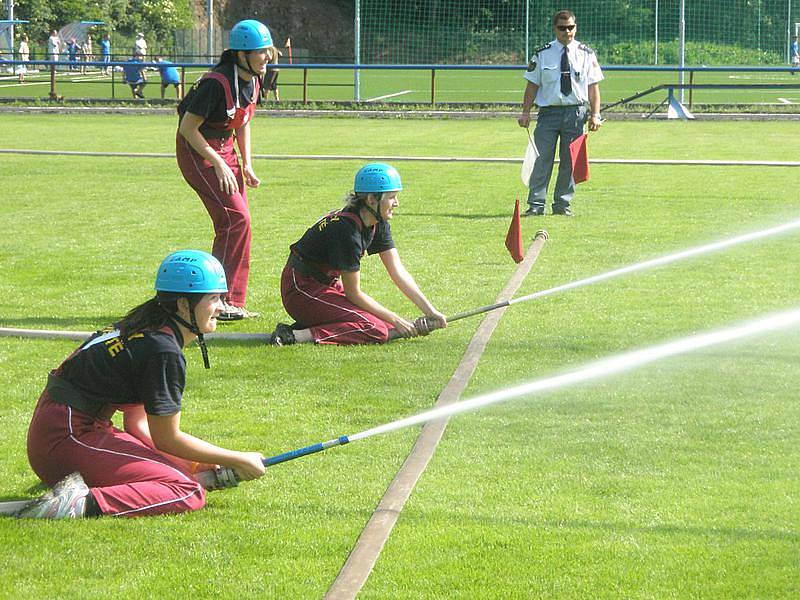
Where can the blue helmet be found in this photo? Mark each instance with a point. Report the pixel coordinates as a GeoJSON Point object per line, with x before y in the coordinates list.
{"type": "Point", "coordinates": [250, 35]}
{"type": "Point", "coordinates": [377, 177]}
{"type": "Point", "coordinates": [191, 272]}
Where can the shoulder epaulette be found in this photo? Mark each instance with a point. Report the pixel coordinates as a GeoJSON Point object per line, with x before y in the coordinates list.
{"type": "Point", "coordinates": [532, 62]}
{"type": "Point", "coordinates": [586, 48]}
{"type": "Point", "coordinates": [545, 47]}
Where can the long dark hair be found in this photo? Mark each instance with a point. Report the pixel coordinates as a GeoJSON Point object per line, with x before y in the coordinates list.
{"type": "Point", "coordinates": [228, 57]}
{"type": "Point", "coordinates": [154, 313]}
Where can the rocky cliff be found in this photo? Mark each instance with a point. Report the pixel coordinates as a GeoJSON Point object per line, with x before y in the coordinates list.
{"type": "Point", "coordinates": [321, 30]}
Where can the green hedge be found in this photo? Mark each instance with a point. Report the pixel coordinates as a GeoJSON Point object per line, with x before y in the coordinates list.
{"type": "Point", "coordinates": [697, 53]}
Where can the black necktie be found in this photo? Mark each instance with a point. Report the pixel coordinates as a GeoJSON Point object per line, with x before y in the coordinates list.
{"type": "Point", "coordinates": [566, 82]}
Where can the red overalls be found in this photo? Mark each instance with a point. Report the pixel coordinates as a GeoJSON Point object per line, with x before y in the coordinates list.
{"type": "Point", "coordinates": [229, 212]}
{"type": "Point", "coordinates": [314, 297]}
{"type": "Point", "coordinates": [126, 476]}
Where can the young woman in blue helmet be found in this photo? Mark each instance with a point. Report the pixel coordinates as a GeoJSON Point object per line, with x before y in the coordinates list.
{"type": "Point", "coordinates": [136, 366]}
{"type": "Point", "coordinates": [321, 283]}
{"type": "Point", "coordinates": [217, 110]}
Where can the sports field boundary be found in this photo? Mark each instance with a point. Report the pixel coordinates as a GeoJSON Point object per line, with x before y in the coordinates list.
{"type": "Point", "coordinates": [415, 113]}
{"type": "Point", "coordinates": [447, 159]}
{"type": "Point", "coordinates": [362, 558]}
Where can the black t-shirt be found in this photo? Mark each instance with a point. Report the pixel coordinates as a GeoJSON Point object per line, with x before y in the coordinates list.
{"type": "Point", "coordinates": [338, 241]}
{"type": "Point", "coordinates": [207, 99]}
{"type": "Point", "coordinates": [146, 368]}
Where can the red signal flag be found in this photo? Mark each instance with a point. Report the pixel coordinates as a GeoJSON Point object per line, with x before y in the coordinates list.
{"type": "Point", "coordinates": [514, 236]}
{"type": "Point", "coordinates": [580, 159]}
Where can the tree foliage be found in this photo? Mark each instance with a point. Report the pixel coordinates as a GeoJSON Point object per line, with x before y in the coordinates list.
{"type": "Point", "coordinates": [157, 19]}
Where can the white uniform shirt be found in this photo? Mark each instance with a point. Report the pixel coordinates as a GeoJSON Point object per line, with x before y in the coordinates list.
{"type": "Point", "coordinates": [544, 70]}
{"type": "Point", "coordinates": [53, 45]}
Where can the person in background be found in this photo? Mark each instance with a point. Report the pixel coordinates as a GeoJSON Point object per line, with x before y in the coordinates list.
{"type": "Point", "coordinates": [563, 80]}
{"type": "Point", "coordinates": [795, 54]}
{"type": "Point", "coordinates": [137, 367]}
{"type": "Point", "coordinates": [72, 53]}
{"type": "Point", "coordinates": [321, 282]}
{"type": "Point", "coordinates": [53, 46]}
{"type": "Point", "coordinates": [140, 45]}
{"type": "Point", "coordinates": [135, 75]}
{"type": "Point", "coordinates": [87, 53]}
{"type": "Point", "coordinates": [105, 53]}
{"type": "Point", "coordinates": [217, 110]}
{"type": "Point", "coordinates": [271, 79]}
{"type": "Point", "coordinates": [169, 76]}
{"type": "Point", "coordinates": [23, 54]}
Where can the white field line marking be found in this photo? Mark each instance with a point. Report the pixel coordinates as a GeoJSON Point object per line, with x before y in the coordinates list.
{"type": "Point", "coordinates": [454, 159]}
{"type": "Point", "coordinates": [785, 100]}
{"type": "Point", "coordinates": [74, 79]}
{"type": "Point", "coordinates": [376, 98]}
{"type": "Point", "coordinates": [761, 76]}
{"type": "Point", "coordinates": [24, 84]}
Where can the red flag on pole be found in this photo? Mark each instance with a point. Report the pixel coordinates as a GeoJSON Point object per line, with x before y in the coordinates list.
{"type": "Point", "coordinates": [580, 159]}
{"type": "Point", "coordinates": [514, 236]}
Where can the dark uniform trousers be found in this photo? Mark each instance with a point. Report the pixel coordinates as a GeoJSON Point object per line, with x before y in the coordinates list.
{"type": "Point", "coordinates": [555, 123]}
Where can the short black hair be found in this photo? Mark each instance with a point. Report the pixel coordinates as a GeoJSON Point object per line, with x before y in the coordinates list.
{"type": "Point", "coordinates": [566, 15]}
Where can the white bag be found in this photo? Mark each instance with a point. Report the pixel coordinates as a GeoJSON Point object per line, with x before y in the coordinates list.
{"type": "Point", "coordinates": [531, 154]}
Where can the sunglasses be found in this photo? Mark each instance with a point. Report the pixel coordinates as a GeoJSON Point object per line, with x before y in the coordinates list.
{"type": "Point", "coordinates": [565, 27]}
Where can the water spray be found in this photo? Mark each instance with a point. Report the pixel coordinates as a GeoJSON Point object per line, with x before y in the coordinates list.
{"type": "Point", "coordinates": [602, 368]}
{"type": "Point", "coordinates": [642, 266]}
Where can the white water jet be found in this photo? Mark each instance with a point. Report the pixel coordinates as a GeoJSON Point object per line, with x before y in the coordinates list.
{"type": "Point", "coordinates": [664, 260]}
{"type": "Point", "coordinates": [596, 370]}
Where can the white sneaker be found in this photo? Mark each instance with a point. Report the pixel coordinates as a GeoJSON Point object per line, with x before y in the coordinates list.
{"type": "Point", "coordinates": [67, 500]}
{"type": "Point", "coordinates": [236, 313]}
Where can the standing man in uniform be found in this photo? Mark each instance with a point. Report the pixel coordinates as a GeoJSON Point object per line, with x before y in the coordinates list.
{"type": "Point", "coordinates": [795, 54]}
{"type": "Point", "coordinates": [563, 80]}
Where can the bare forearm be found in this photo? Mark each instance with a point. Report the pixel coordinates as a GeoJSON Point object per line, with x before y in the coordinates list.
{"type": "Point", "coordinates": [406, 284]}
{"type": "Point", "coordinates": [594, 98]}
{"type": "Point", "coordinates": [190, 448]}
{"type": "Point", "coordinates": [369, 304]}
{"type": "Point", "coordinates": [189, 129]}
{"type": "Point", "coordinates": [528, 97]}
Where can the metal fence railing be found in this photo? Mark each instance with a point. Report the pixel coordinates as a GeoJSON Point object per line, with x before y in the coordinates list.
{"type": "Point", "coordinates": [422, 84]}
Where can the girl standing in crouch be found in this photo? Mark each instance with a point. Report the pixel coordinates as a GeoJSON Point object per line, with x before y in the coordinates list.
{"type": "Point", "coordinates": [217, 110]}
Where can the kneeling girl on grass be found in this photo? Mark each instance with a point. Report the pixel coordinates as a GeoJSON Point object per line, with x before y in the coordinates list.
{"type": "Point", "coordinates": [321, 282]}
{"type": "Point", "coordinates": [137, 367]}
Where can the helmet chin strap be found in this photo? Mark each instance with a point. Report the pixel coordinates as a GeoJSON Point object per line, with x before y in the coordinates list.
{"type": "Point", "coordinates": [194, 329]}
{"type": "Point", "coordinates": [372, 211]}
{"type": "Point", "coordinates": [247, 66]}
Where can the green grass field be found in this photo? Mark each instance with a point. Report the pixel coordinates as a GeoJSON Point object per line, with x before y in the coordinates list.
{"type": "Point", "coordinates": [675, 480]}
{"type": "Point", "coordinates": [415, 86]}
